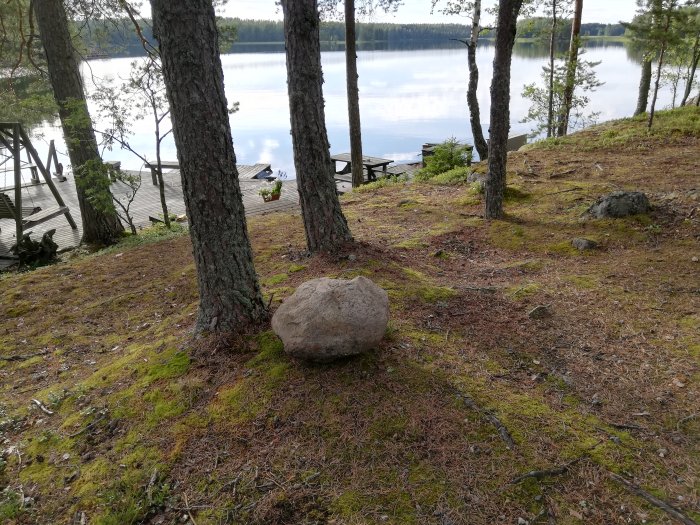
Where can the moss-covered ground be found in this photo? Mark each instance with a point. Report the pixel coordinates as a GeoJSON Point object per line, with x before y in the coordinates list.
{"type": "Point", "coordinates": [110, 412]}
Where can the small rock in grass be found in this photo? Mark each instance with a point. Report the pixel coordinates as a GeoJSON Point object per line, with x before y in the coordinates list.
{"type": "Point", "coordinates": [583, 244]}
{"type": "Point", "coordinates": [539, 312]}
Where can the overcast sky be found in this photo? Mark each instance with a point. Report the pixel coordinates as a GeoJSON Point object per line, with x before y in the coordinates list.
{"type": "Point", "coordinates": [418, 11]}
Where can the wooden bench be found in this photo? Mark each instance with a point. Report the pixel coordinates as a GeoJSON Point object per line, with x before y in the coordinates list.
{"type": "Point", "coordinates": [31, 216]}
{"type": "Point", "coordinates": [164, 164]}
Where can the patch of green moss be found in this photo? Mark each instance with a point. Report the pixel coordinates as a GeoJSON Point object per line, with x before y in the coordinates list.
{"type": "Point", "coordinates": [168, 365]}
{"type": "Point", "coordinates": [18, 309]}
{"type": "Point", "coordinates": [694, 350]}
{"type": "Point", "coordinates": [29, 362]}
{"type": "Point", "coordinates": [428, 485]}
{"type": "Point", "coordinates": [41, 473]}
{"type": "Point", "coordinates": [275, 279]}
{"type": "Point", "coordinates": [418, 286]}
{"type": "Point", "coordinates": [293, 268]}
{"type": "Point", "coordinates": [508, 235]}
{"type": "Point", "coordinates": [521, 291]}
{"type": "Point", "coordinates": [250, 395]}
{"type": "Point", "coordinates": [528, 265]}
{"type": "Point", "coordinates": [515, 194]}
{"type": "Point", "coordinates": [563, 248]}
{"type": "Point", "coordinates": [383, 182]}
{"type": "Point", "coordinates": [163, 408]}
{"type": "Point", "coordinates": [10, 506]}
{"type": "Point", "coordinates": [388, 426]}
{"type": "Point", "coordinates": [585, 282]}
{"type": "Point", "coordinates": [347, 504]}
{"type": "Point", "coordinates": [422, 338]}
{"type": "Point", "coordinates": [691, 322]}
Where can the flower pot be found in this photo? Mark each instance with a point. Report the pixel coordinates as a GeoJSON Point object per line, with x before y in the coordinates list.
{"type": "Point", "coordinates": [272, 197]}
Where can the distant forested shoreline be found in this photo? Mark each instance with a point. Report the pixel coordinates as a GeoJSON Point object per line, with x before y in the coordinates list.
{"type": "Point", "coordinates": [117, 39]}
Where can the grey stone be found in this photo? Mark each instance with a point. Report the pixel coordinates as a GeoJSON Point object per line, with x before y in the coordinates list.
{"type": "Point", "coordinates": [325, 319]}
{"type": "Point", "coordinates": [583, 244]}
{"type": "Point", "coordinates": [620, 204]}
{"type": "Point", "coordinates": [539, 312]}
{"type": "Point", "coordinates": [476, 177]}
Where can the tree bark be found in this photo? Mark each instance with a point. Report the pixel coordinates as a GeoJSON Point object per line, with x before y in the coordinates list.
{"type": "Point", "coordinates": [101, 227]}
{"type": "Point", "coordinates": [657, 81]}
{"type": "Point", "coordinates": [508, 11]}
{"type": "Point", "coordinates": [693, 67]}
{"type": "Point", "coordinates": [571, 67]}
{"type": "Point", "coordinates": [353, 95]}
{"type": "Point", "coordinates": [662, 53]}
{"type": "Point", "coordinates": [552, 46]}
{"type": "Point", "coordinates": [644, 86]}
{"type": "Point", "coordinates": [480, 144]}
{"type": "Point", "coordinates": [325, 225]}
{"type": "Point", "coordinates": [230, 298]}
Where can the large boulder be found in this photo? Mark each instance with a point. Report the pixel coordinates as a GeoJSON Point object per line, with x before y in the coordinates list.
{"type": "Point", "coordinates": [329, 318]}
{"type": "Point", "coordinates": [620, 204]}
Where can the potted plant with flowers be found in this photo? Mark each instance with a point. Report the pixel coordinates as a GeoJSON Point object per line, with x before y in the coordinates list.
{"type": "Point", "coordinates": [273, 193]}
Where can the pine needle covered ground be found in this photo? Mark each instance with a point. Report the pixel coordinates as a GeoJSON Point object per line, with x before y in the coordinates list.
{"type": "Point", "coordinates": [111, 414]}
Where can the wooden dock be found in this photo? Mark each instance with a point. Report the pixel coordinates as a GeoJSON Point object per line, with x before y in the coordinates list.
{"type": "Point", "coordinates": [146, 203]}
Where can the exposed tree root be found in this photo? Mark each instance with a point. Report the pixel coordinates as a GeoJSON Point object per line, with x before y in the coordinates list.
{"type": "Point", "coordinates": [541, 474]}
{"type": "Point", "coordinates": [10, 358]}
{"type": "Point", "coordinates": [666, 507]}
{"type": "Point", "coordinates": [491, 418]}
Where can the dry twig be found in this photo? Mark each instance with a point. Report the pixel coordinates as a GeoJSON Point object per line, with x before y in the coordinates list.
{"type": "Point", "coordinates": [42, 407]}
{"type": "Point", "coordinates": [685, 420]}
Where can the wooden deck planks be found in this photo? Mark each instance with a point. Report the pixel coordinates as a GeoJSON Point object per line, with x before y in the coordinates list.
{"type": "Point", "coordinates": [147, 203]}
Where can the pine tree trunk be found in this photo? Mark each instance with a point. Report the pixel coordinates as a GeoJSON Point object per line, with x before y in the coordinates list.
{"type": "Point", "coordinates": [572, 64]}
{"type": "Point", "coordinates": [480, 144]}
{"type": "Point", "coordinates": [230, 298]}
{"type": "Point", "coordinates": [101, 227]}
{"type": "Point", "coordinates": [552, 46]}
{"type": "Point", "coordinates": [644, 86]}
{"type": "Point", "coordinates": [660, 65]}
{"type": "Point", "coordinates": [654, 96]}
{"type": "Point", "coordinates": [353, 94]}
{"type": "Point", "coordinates": [500, 107]}
{"type": "Point", "coordinates": [693, 67]}
{"type": "Point", "coordinates": [325, 225]}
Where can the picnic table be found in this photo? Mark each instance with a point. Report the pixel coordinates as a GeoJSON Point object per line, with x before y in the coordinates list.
{"type": "Point", "coordinates": [370, 163]}
{"type": "Point", "coordinates": [164, 164]}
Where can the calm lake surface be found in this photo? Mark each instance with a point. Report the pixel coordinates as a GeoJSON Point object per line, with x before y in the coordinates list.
{"type": "Point", "coordinates": [407, 98]}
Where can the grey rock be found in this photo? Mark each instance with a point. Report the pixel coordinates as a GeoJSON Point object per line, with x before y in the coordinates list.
{"type": "Point", "coordinates": [325, 319]}
{"type": "Point", "coordinates": [583, 244]}
{"type": "Point", "coordinates": [620, 204]}
{"type": "Point", "coordinates": [476, 177]}
{"type": "Point", "coordinates": [539, 312]}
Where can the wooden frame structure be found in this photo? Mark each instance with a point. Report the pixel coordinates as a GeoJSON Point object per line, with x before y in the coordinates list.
{"type": "Point", "coordinates": [14, 139]}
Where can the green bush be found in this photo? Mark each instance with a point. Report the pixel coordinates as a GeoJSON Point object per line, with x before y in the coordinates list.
{"type": "Point", "coordinates": [448, 155]}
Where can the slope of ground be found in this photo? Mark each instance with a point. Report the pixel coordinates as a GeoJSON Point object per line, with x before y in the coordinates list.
{"type": "Point", "coordinates": [111, 414]}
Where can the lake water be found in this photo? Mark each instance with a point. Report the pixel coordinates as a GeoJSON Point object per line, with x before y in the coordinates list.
{"type": "Point", "coordinates": [407, 98]}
